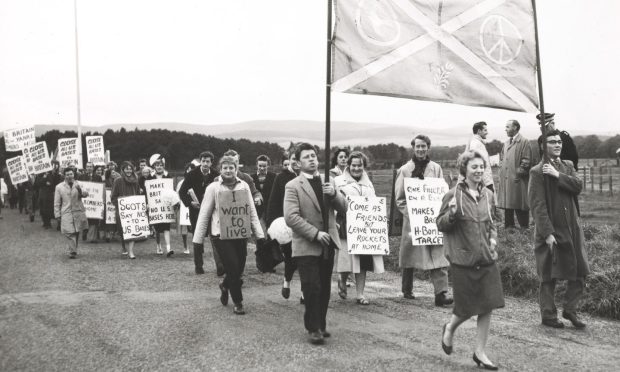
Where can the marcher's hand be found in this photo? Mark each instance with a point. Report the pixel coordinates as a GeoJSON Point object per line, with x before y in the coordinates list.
{"type": "Point", "coordinates": [492, 249]}
{"type": "Point", "coordinates": [258, 200]}
{"type": "Point", "coordinates": [452, 206]}
{"type": "Point", "coordinates": [328, 189]}
{"type": "Point", "coordinates": [195, 205]}
{"type": "Point", "coordinates": [549, 170]}
{"type": "Point", "coordinates": [551, 240]}
{"type": "Point", "coordinates": [323, 238]}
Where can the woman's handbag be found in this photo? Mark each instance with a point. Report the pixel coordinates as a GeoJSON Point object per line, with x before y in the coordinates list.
{"type": "Point", "coordinates": [268, 255]}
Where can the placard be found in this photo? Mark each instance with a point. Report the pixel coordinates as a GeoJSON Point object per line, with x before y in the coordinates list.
{"type": "Point", "coordinates": [159, 210]}
{"type": "Point", "coordinates": [423, 205]}
{"type": "Point", "coordinates": [234, 210]}
{"type": "Point", "coordinates": [132, 213]}
{"type": "Point", "coordinates": [37, 158]}
{"type": "Point", "coordinates": [110, 209]}
{"type": "Point", "coordinates": [367, 225]}
{"type": "Point", "coordinates": [68, 153]}
{"type": "Point", "coordinates": [17, 169]}
{"type": "Point", "coordinates": [94, 202]}
{"type": "Point", "coordinates": [494, 160]}
{"type": "Point", "coordinates": [183, 210]}
{"type": "Point", "coordinates": [17, 139]}
{"type": "Point", "coordinates": [95, 152]}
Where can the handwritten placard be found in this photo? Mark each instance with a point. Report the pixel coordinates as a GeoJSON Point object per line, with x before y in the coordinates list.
{"type": "Point", "coordinates": [423, 204]}
{"type": "Point", "coordinates": [234, 210]}
{"type": "Point", "coordinates": [37, 158]}
{"type": "Point", "coordinates": [132, 213]}
{"type": "Point", "coordinates": [367, 225]}
{"type": "Point", "coordinates": [17, 169]}
{"type": "Point", "coordinates": [110, 209]}
{"type": "Point", "coordinates": [68, 153]}
{"type": "Point", "coordinates": [17, 139]}
{"type": "Point", "coordinates": [94, 150]}
{"type": "Point", "coordinates": [94, 202]}
{"type": "Point", "coordinates": [160, 211]}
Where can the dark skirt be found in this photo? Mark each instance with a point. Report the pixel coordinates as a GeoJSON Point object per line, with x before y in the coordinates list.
{"type": "Point", "coordinates": [477, 290]}
{"type": "Point", "coordinates": [161, 227]}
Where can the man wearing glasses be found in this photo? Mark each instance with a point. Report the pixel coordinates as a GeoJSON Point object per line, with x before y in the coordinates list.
{"type": "Point", "coordinates": [569, 150]}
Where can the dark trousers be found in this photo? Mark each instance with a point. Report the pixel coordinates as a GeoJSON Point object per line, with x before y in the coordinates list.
{"type": "Point", "coordinates": [199, 253]}
{"type": "Point", "coordinates": [439, 278]}
{"type": "Point", "coordinates": [289, 263]}
{"type": "Point", "coordinates": [315, 274]}
{"type": "Point", "coordinates": [522, 216]}
{"type": "Point", "coordinates": [574, 292]}
{"type": "Point", "coordinates": [233, 254]}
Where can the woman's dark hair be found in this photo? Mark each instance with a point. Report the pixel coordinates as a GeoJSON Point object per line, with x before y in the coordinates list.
{"type": "Point", "coordinates": [423, 138]}
{"type": "Point", "coordinates": [336, 153]}
{"type": "Point", "coordinates": [358, 155]}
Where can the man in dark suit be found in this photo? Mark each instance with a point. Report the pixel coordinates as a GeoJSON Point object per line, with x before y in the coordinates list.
{"type": "Point", "coordinates": [191, 193]}
{"type": "Point", "coordinates": [313, 243]}
{"type": "Point", "coordinates": [263, 180]}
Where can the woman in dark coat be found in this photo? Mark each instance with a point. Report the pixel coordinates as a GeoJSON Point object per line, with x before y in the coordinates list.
{"type": "Point", "coordinates": [470, 237]}
{"type": "Point", "coordinates": [125, 185]}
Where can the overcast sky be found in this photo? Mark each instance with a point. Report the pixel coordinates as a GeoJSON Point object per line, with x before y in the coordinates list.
{"type": "Point", "coordinates": [217, 62]}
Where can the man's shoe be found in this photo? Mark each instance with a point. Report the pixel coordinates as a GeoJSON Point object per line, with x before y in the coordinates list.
{"type": "Point", "coordinates": [441, 299]}
{"type": "Point", "coordinates": [573, 319]}
{"type": "Point", "coordinates": [325, 333]}
{"type": "Point", "coordinates": [286, 292]}
{"type": "Point", "coordinates": [223, 295]}
{"type": "Point", "coordinates": [199, 270]}
{"type": "Point", "coordinates": [553, 323]}
{"type": "Point", "coordinates": [409, 296]}
{"type": "Point", "coordinates": [72, 255]}
{"type": "Point", "coordinates": [238, 309]}
{"type": "Point", "coordinates": [316, 338]}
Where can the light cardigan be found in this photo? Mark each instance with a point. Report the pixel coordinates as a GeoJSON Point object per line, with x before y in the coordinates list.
{"type": "Point", "coordinates": [209, 211]}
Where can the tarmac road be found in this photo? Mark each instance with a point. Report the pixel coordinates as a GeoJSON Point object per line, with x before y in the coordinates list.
{"type": "Point", "coordinates": [105, 312]}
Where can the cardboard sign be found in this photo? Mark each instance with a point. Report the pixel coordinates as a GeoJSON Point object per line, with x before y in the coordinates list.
{"type": "Point", "coordinates": [17, 169]}
{"type": "Point", "coordinates": [423, 205]}
{"type": "Point", "coordinates": [183, 210]}
{"type": "Point", "coordinates": [37, 158]}
{"type": "Point", "coordinates": [68, 153]}
{"type": "Point", "coordinates": [367, 225]}
{"type": "Point", "coordinates": [494, 160]}
{"type": "Point", "coordinates": [95, 152]}
{"type": "Point", "coordinates": [132, 213]}
{"type": "Point", "coordinates": [160, 211]}
{"type": "Point", "coordinates": [94, 202]}
{"type": "Point", "coordinates": [17, 139]}
{"type": "Point", "coordinates": [110, 209]}
{"type": "Point", "coordinates": [234, 210]}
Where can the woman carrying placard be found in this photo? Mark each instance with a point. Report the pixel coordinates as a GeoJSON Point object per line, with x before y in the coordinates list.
{"type": "Point", "coordinates": [228, 215]}
{"type": "Point", "coordinates": [466, 221]}
{"type": "Point", "coordinates": [355, 182]}
{"type": "Point", "coordinates": [125, 185]}
{"type": "Point", "coordinates": [158, 163]}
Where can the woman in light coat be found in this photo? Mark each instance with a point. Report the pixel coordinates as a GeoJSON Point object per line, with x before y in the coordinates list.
{"type": "Point", "coordinates": [355, 182]}
{"type": "Point", "coordinates": [421, 257]}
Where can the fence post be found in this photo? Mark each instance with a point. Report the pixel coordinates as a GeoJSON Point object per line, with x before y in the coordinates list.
{"type": "Point", "coordinates": [584, 178]}
{"type": "Point", "coordinates": [611, 189]}
{"type": "Point", "coordinates": [600, 177]}
{"type": "Point", "coordinates": [592, 179]}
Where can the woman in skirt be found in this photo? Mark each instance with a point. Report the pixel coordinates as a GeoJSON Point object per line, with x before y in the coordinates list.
{"type": "Point", "coordinates": [470, 237]}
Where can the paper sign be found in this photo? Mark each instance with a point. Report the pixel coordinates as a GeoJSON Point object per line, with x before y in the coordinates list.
{"type": "Point", "coordinates": [68, 153]}
{"type": "Point", "coordinates": [110, 209]}
{"type": "Point", "coordinates": [183, 210]}
{"type": "Point", "coordinates": [17, 169]}
{"type": "Point", "coordinates": [367, 225]}
{"type": "Point", "coordinates": [423, 205]}
{"type": "Point", "coordinates": [37, 158]}
{"type": "Point", "coordinates": [94, 150]}
{"type": "Point", "coordinates": [94, 202]}
{"type": "Point", "coordinates": [17, 139]}
{"type": "Point", "coordinates": [234, 210]}
{"type": "Point", "coordinates": [132, 213]}
{"type": "Point", "coordinates": [160, 211]}
{"type": "Point", "coordinates": [494, 160]}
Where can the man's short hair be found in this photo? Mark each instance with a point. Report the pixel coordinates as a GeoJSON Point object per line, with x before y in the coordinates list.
{"type": "Point", "coordinates": [478, 126]}
{"type": "Point", "coordinates": [516, 124]}
{"type": "Point", "coordinates": [69, 169]}
{"type": "Point", "coordinates": [554, 132]}
{"type": "Point", "coordinates": [358, 155]}
{"type": "Point", "coordinates": [263, 158]}
{"type": "Point", "coordinates": [227, 159]}
{"type": "Point", "coordinates": [423, 138]}
{"type": "Point", "coordinates": [302, 147]}
{"type": "Point", "coordinates": [142, 160]}
{"type": "Point", "coordinates": [206, 154]}
{"type": "Point", "coordinates": [465, 158]}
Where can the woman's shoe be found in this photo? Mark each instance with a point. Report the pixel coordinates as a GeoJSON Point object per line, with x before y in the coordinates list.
{"type": "Point", "coordinates": [132, 256]}
{"type": "Point", "coordinates": [362, 301]}
{"type": "Point", "coordinates": [490, 367]}
{"type": "Point", "coordinates": [446, 349]}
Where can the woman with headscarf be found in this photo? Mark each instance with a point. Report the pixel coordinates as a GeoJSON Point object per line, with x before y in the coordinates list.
{"type": "Point", "coordinates": [158, 163]}
{"type": "Point", "coordinates": [355, 182]}
{"type": "Point", "coordinates": [125, 185]}
{"type": "Point", "coordinates": [470, 238]}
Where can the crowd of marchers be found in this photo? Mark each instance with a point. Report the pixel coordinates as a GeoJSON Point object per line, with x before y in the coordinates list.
{"type": "Point", "coordinates": [313, 210]}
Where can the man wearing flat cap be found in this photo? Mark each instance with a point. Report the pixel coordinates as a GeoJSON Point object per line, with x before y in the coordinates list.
{"type": "Point", "coordinates": [569, 150]}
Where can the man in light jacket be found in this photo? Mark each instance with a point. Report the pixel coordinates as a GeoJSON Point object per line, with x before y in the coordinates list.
{"type": "Point", "coordinates": [477, 143]}
{"type": "Point", "coordinates": [68, 207]}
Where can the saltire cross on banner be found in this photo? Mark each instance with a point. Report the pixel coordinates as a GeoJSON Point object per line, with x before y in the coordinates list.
{"type": "Point", "coordinates": [470, 52]}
